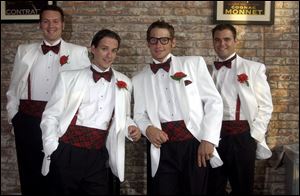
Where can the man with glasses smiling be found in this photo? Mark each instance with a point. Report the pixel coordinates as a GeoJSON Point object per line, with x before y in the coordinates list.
{"type": "Point", "coordinates": [179, 110]}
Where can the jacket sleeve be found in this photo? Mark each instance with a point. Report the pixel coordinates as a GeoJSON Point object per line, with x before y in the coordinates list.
{"type": "Point", "coordinates": [51, 117]}
{"type": "Point", "coordinates": [13, 99]}
{"type": "Point", "coordinates": [129, 120]}
{"type": "Point", "coordinates": [212, 105]}
{"type": "Point", "coordinates": [265, 106]}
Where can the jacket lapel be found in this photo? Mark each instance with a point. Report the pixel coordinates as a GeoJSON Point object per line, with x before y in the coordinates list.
{"type": "Point", "coordinates": [189, 103]}
{"type": "Point", "coordinates": [64, 48]}
{"type": "Point", "coordinates": [178, 86]}
{"type": "Point", "coordinates": [120, 103]}
{"type": "Point", "coordinates": [244, 91]}
{"type": "Point", "coordinates": [151, 99]}
{"type": "Point", "coordinates": [78, 85]}
{"type": "Point", "coordinates": [64, 51]}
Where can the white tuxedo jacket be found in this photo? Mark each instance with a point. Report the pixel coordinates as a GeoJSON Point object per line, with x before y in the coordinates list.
{"type": "Point", "coordinates": [65, 101]}
{"type": "Point", "coordinates": [24, 59]}
{"type": "Point", "coordinates": [256, 101]}
{"type": "Point", "coordinates": [200, 102]}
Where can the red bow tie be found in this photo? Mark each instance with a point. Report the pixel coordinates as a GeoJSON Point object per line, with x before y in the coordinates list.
{"type": "Point", "coordinates": [165, 66]}
{"type": "Point", "coordinates": [46, 48]}
{"type": "Point", "coordinates": [106, 75]}
{"type": "Point", "coordinates": [227, 63]}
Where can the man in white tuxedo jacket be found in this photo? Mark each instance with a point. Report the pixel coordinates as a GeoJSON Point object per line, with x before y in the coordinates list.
{"type": "Point", "coordinates": [247, 111]}
{"type": "Point", "coordinates": [35, 70]}
{"type": "Point", "coordinates": [179, 110]}
{"type": "Point", "coordinates": [85, 123]}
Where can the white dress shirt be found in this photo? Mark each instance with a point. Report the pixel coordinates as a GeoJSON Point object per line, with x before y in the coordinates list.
{"type": "Point", "coordinates": [225, 79]}
{"type": "Point", "coordinates": [168, 101]}
{"type": "Point", "coordinates": [98, 103]}
{"type": "Point", "coordinates": [43, 74]}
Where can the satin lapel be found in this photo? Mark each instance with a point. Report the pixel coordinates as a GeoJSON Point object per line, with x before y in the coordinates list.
{"type": "Point", "coordinates": [64, 51]}
{"type": "Point", "coordinates": [179, 86]}
{"type": "Point", "coordinates": [190, 104]}
{"type": "Point", "coordinates": [63, 48]}
{"type": "Point", "coordinates": [77, 89]}
{"type": "Point", "coordinates": [244, 91]}
{"type": "Point", "coordinates": [120, 103]}
{"type": "Point", "coordinates": [151, 99]}
{"type": "Point", "coordinates": [80, 84]}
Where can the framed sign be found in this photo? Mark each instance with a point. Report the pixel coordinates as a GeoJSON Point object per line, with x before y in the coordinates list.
{"type": "Point", "coordinates": [22, 11]}
{"type": "Point", "coordinates": [244, 12]}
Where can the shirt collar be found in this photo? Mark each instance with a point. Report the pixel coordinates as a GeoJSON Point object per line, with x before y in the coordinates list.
{"type": "Point", "coordinates": [55, 43]}
{"type": "Point", "coordinates": [165, 59]}
{"type": "Point", "coordinates": [221, 60]}
{"type": "Point", "coordinates": [98, 69]}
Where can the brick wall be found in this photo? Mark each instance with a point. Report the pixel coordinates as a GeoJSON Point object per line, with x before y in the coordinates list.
{"type": "Point", "coordinates": [276, 45]}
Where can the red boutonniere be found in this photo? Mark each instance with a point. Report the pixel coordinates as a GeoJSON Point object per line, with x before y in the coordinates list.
{"type": "Point", "coordinates": [243, 78]}
{"type": "Point", "coordinates": [121, 84]}
{"type": "Point", "coordinates": [178, 76]}
{"type": "Point", "coordinates": [63, 60]}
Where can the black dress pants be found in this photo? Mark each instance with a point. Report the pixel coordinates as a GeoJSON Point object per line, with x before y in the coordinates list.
{"type": "Point", "coordinates": [178, 172]}
{"type": "Point", "coordinates": [79, 171]}
{"type": "Point", "coordinates": [29, 146]}
{"type": "Point", "coordinates": [238, 154]}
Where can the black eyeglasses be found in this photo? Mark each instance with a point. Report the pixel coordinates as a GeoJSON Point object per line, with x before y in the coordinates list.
{"type": "Point", "coordinates": [162, 40]}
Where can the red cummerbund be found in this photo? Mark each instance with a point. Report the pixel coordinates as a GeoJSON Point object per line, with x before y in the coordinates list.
{"type": "Point", "coordinates": [176, 131]}
{"type": "Point", "coordinates": [33, 108]}
{"type": "Point", "coordinates": [84, 137]}
{"type": "Point", "coordinates": [232, 127]}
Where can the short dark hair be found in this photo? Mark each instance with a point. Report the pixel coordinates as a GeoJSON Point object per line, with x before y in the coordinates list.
{"type": "Point", "coordinates": [163, 25]}
{"type": "Point", "coordinates": [105, 33]}
{"type": "Point", "coordinates": [52, 8]}
{"type": "Point", "coordinates": [221, 27]}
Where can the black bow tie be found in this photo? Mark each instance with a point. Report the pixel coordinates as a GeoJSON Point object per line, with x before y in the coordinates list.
{"type": "Point", "coordinates": [227, 63]}
{"type": "Point", "coordinates": [46, 48]}
{"type": "Point", "coordinates": [106, 75]}
{"type": "Point", "coordinates": [165, 66]}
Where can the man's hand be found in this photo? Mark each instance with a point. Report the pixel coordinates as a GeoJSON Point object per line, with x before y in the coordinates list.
{"type": "Point", "coordinates": [156, 136]}
{"type": "Point", "coordinates": [134, 132]}
{"type": "Point", "coordinates": [205, 151]}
